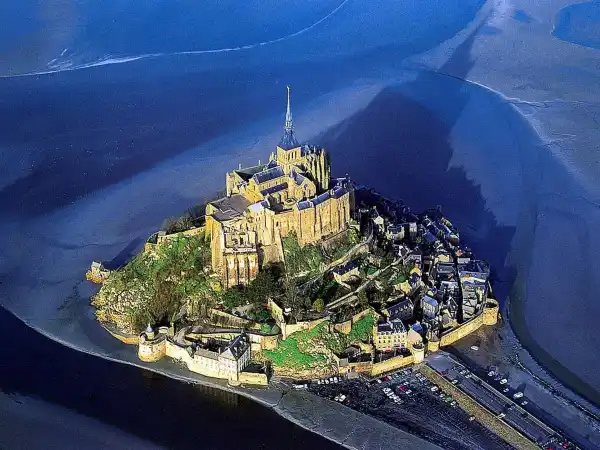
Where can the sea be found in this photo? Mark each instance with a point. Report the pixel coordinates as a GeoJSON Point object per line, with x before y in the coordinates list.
{"type": "Point", "coordinates": [116, 115]}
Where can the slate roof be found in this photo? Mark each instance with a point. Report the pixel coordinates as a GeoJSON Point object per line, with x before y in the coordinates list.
{"type": "Point", "coordinates": [274, 189]}
{"type": "Point", "coordinates": [400, 308]}
{"type": "Point", "coordinates": [321, 198]}
{"type": "Point", "coordinates": [247, 172]}
{"type": "Point", "coordinates": [338, 192]}
{"type": "Point", "coordinates": [269, 174]}
{"type": "Point", "coordinates": [288, 140]}
{"type": "Point", "coordinates": [391, 327]}
{"type": "Point", "coordinates": [345, 268]}
{"type": "Point", "coordinates": [305, 204]}
{"type": "Point", "coordinates": [238, 346]}
{"type": "Point", "coordinates": [230, 207]}
{"type": "Point", "coordinates": [430, 301]}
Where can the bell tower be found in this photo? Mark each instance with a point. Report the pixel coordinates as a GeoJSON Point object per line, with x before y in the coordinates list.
{"type": "Point", "coordinates": [288, 149]}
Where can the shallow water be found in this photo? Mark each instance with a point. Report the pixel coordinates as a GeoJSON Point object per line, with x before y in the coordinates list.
{"type": "Point", "coordinates": [579, 24]}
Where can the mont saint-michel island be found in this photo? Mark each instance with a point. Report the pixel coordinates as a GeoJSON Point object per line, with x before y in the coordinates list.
{"type": "Point", "coordinates": [295, 280]}
{"type": "Point", "coordinates": [298, 274]}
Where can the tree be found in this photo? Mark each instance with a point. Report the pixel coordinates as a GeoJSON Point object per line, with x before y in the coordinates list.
{"type": "Point", "coordinates": [232, 298]}
{"type": "Point", "coordinates": [319, 305]}
{"type": "Point", "coordinates": [262, 287]}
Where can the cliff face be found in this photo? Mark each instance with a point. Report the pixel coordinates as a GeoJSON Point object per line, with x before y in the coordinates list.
{"type": "Point", "coordinates": [158, 286]}
{"type": "Point", "coordinates": [118, 302]}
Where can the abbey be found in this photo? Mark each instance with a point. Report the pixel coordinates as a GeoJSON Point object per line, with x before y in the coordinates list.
{"type": "Point", "coordinates": [292, 193]}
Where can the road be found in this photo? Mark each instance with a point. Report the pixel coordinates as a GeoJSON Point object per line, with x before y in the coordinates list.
{"type": "Point", "coordinates": [493, 400]}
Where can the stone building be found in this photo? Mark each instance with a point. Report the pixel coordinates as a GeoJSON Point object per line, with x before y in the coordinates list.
{"type": "Point", "coordinates": [389, 335]}
{"type": "Point", "coordinates": [292, 193]}
{"type": "Point", "coordinates": [222, 359]}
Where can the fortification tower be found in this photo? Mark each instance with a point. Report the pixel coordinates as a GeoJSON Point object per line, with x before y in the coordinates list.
{"type": "Point", "coordinates": [152, 346]}
{"type": "Point", "coordinates": [490, 312]}
{"type": "Point", "coordinates": [418, 351]}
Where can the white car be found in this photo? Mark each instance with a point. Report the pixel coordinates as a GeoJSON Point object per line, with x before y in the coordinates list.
{"type": "Point", "coordinates": [505, 390]}
{"type": "Point", "coordinates": [491, 373]}
{"type": "Point", "coordinates": [524, 402]}
{"type": "Point", "coordinates": [501, 415]}
{"type": "Point", "coordinates": [468, 375]}
{"type": "Point", "coordinates": [474, 347]}
{"type": "Point", "coordinates": [318, 381]}
{"type": "Point", "coordinates": [335, 379]}
{"type": "Point", "coordinates": [408, 392]}
{"type": "Point", "coordinates": [434, 388]}
{"type": "Point", "coordinates": [326, 381]}
{"type": "Point", "coordinates": [386, 390]}
{"type": "Point", "coordinates": [455, 381]}
{"type": "Point", "coordinates": [517, 395]}
{"type": "Point", "coordinates": [503, 381]}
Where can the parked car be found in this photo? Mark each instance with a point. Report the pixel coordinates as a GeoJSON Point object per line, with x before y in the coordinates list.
{"type": "Point", "coordinates": [517, 395]}
{"type": "Point", "coordinates": [505, 390]}
{"type": "Point", "coordinates": [503, 381]}
{"type": "Point", "coordinates": [455, 381]}
{"type": "Point", "coordinates": [434, 388]}
{"type": "Point", "coordinates": [524, 402]}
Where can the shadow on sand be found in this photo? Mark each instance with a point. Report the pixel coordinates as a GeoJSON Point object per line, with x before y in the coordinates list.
{"type": "Point", "coordinates": [402, 149]}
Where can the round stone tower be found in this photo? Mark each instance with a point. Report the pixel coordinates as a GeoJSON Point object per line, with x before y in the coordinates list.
{"type": "Point", "coordinates": [490, 312]}
{"type": "Point", "coordinates": [152, 346]}
{"type": "Point", "coordinates": [418, 351]}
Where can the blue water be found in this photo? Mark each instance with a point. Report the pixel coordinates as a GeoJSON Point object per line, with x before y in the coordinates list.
{"type": "Point", "coordinates": [579, 24]}
{"type": "Point", "coordinates": [522, 16]}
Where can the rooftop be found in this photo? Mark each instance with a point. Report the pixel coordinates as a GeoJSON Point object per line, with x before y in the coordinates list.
{"type": "Point", "coordinates": [230, 207]}
{"type": "Point", "coordinates": [394, 326]}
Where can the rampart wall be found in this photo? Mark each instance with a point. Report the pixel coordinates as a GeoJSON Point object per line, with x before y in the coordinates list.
{"type": "Point", "coordinates": [346, 326]}
{"type": "Point", "coordinates": [391, 364]}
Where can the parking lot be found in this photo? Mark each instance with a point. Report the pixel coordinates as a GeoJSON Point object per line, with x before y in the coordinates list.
{"type": "Point", "coordinates": [493, 392]}
{"type": "Point", "coordinates": [407, 400]}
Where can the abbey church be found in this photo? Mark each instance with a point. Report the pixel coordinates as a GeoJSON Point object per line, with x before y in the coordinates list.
{"type": "Point", "coordinates": [293, 193]}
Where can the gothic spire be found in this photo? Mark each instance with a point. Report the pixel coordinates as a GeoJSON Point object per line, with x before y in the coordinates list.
{"type": "Point", "coordinates": [288, 115]}
{"type": "Point", "coordinates": [288, 140]}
